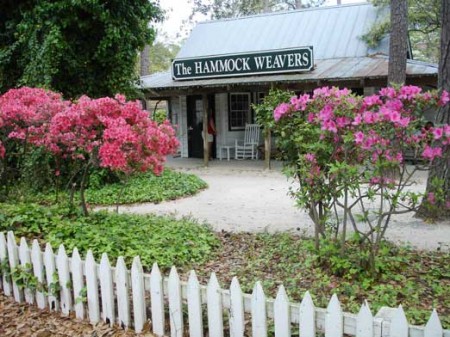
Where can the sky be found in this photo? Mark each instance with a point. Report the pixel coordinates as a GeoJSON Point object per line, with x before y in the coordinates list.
{"type": "Point", "coordinates": [179, 11]}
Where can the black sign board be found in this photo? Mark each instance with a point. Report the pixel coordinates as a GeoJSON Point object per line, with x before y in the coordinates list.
{"type": "Point", "coordinates": [268, 62]}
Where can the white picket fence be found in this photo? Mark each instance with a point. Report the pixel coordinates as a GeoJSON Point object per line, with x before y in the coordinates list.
{"type": "Point", "coordinates": [116, 295]}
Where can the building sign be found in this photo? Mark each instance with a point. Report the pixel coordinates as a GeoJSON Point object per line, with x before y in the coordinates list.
{"type": "Point", "coordinates": [269, 62]}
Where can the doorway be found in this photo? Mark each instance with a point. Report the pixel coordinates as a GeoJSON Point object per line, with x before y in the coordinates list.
{"type": "Point", "coordinates": [195, 125]}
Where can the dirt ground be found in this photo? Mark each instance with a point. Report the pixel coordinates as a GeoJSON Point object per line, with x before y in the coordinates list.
{"type": "Point", "coordinates": [242, 196]}
{"type": "Point", "coordinates": [21, 320]}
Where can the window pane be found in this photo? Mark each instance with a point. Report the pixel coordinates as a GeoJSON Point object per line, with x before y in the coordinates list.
{"type": "Point", "coordinates": [239, 110]}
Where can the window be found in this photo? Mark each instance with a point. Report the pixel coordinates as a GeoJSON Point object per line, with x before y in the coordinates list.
{"type": "Point", "coordinates": [239, 111]}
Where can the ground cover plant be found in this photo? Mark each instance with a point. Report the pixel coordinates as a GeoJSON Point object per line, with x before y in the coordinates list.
{"type": "Point", "coordinates": [418, 280]}
{"type": "Point", "coordinates": [142, 187]}
{"type": "Point", "coordinates": [154, 238]}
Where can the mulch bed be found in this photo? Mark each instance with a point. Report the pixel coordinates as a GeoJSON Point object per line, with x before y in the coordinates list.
{"type": "Point", "coordinates": [28, 321]}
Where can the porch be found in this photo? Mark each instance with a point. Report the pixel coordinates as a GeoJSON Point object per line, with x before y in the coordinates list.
{"type": "Point", "coordinates": [182, 163]}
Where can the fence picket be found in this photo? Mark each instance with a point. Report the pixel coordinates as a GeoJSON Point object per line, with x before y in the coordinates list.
{"type": "Point", "coordinates": [78, 283]}
{"type": "Point", "coordinates": [194, 301]}
{"type": "Point", "coordinates": [433, 327]}
{"type": "Point", "coordinates": [175, 304]}
{"type": "Point", "coordinates": [399, 324]}
{"type": "Point", "coordinates": [137, 286]}
{"type": "Point", "coordinates": [237, 319]}
{"type": "Point", "coordinates": [25, 262]}
{"type": "Point", "coordinates": [45, 266]}
{"type": "Point", "coordinates": [38, 271]}
{"type": "Point", "coordinates": [259, 320]}
{"type": "Point", "coordinates": [214, 303]}
{"type": "Point", "coordinates": [62, 262]}
{"type": "Point", "coordinates": [107, 290]}
{"type": "Point", "coordinates": [157, 298]}
{"type": "Point", "coordinates": [334, 319]}
{"type": "Point", "coordinates": [282, 314]}
{"type": "Point", "coordinates": [13, 256]}
{"type": "Point", "coordinates": [6, 282]}
{"type": "Point", "coordinates": [51, 275]}
{"type": "Point", "coordinates": [123, 286]}
{"type": "Point", "coordinates": [92, 288]}
{"type": "Point", "coordinates": [364, 321]}
{"type": "Point", "coordinates": [307, 319]}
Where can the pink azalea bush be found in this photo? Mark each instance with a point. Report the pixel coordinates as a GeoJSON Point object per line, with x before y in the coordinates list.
{"type": "Point", "coordinates": [25, 114]}
{"type": "Point", "coordinates": [120, 133]}
{"type": "Point", "coordinates": [348, 151]}
{"type": "Point", "coordinates": [107, 132]}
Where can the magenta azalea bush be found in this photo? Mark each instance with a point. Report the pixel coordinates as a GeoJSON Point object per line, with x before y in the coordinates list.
{"type": "Point", "coordinates": [106, 132]}
{"type": "Point", "coordinates": [348, 154]}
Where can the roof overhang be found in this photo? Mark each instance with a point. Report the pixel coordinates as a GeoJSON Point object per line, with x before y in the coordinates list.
{"type": "Point", "coordinates": [327, 71]}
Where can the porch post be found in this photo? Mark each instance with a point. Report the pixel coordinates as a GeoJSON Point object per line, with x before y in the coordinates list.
{"type": "Point", "coordinates": [205, 130]}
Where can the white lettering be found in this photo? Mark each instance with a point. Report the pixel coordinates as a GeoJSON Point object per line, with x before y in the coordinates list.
{"type": "Point", "coordinates": [206, 68]}
{"type": "Point", "coordinates": [259, 60]}
{"type": "Point", "coordinates": [279, 61]}
{"type": "Point", "coordinates": [290, 60]}
{"type": "Point", "coordinates": [268, 62]}
{"type": "Point", "coordinates": [198, 67]}
{"type": "Point", "coordinates": [298, 60]}
{"type": "Point", "coordinates": [245, 65]}
{"type": "Point", "coordinates": [305, 58]}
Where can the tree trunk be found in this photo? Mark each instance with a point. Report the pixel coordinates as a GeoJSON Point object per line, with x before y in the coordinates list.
{"type": "Point", "coordinates": [145, 61]}
{"type": "Point", "coordinates": [398, 47]}
{"type": "Point", "coordinates": [266, 7]}
{"type": "Point", "coordinates": [298, 4]}
{"type": "Point", "coordinates": [441, 169]}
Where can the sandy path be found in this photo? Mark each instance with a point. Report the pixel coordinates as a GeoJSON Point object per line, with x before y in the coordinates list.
{"type": "Point", "coordinates": [256, 200]}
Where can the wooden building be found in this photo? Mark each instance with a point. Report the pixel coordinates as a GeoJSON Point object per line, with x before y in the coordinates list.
{"type": "Point", "coordinates": [226, 65]}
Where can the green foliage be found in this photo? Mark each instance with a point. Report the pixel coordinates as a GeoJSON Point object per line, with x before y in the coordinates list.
{"type": "Point", "coordinates": [155, 239]}
{"type": "Point", "coordinates": [146, 187]}
{"type": "Point", "coordinates": [159, 116]}
{"type": "Point", "coordinates": [106, 188]}
{"type": "Point", "coordinates": [424, 21]}
{"type": "Point", "coordinates": [161, 56]}
{"type": "Point", "coordinates": [72, 46]}
{"type": "Point", "coordinates": [264, 110]}
{"type": "Point", "coordinates": [378, 31]}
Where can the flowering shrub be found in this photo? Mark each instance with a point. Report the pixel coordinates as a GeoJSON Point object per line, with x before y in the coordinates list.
{"type": "Point", "coordinates": [25, 114]}
{"type": "Point", "coordinates": [106, 132]}
{"type": "Point", "coordinates": [348, 155]}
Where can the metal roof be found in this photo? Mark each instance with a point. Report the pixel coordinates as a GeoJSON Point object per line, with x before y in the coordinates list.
{"type": "Point", "coordinates": [333, 31]}
{"type": "Point", "coordinates": [338, 69]}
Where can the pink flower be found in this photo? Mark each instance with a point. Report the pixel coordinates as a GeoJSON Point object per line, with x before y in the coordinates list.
{"type": "Point", "coordinates": [437, 133]}
{"type": "Point", "coordinates": [357, 120]}
{"type": "Point", "coordinates": [444, 98]}
{"type": "Point", "coordinates": [329, 126]}
{"type": "Point", "coordinates": [388, 92]}
{"type": "Point", "coordinates": [281, 110]}
{"type": "Point", "coordinates": [404, 122]}
{"type": "Point", "coordinates": [310, 157]}
{"type": "Point", "coordinates": [431, 198]}
{"type": "Point", "coordinates": [359, 137]}
{"type": "Point", "coordinates": [372, 100]}
{"type": "Point", "coordinates": [301, 102]}
{"type": "Point", "coordinates": [326, 113]}
{"type": "Point", "coordinates": [430, 153]}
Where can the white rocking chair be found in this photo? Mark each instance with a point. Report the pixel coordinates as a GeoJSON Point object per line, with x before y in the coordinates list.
{"type": "Point", "coordinates": [249, 147]}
